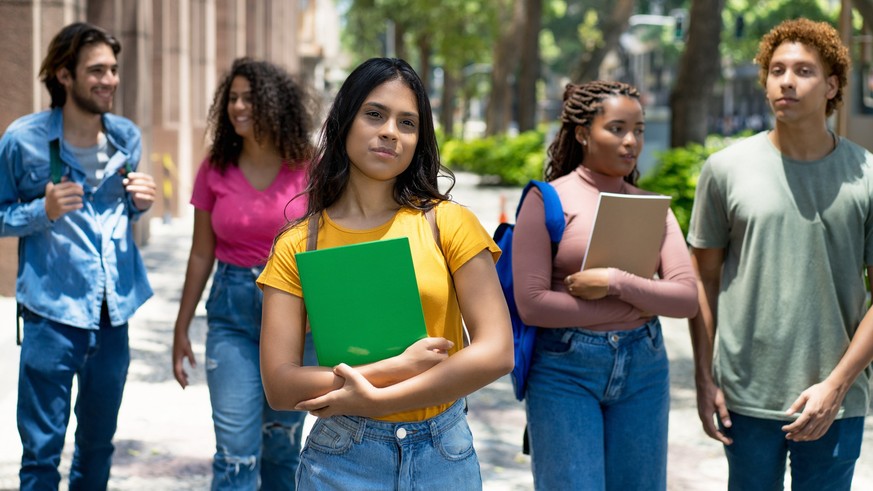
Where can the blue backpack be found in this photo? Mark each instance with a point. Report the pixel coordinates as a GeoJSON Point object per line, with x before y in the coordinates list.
{"type": "Point", "coordinates": [522, 334]}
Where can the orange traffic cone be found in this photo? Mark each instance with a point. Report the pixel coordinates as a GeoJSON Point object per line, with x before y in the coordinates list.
{"type": "Point", "coordinates": [503, 218]}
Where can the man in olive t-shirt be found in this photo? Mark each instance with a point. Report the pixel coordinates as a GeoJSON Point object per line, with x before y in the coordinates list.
{"type": "Point", "coordinates": [781, 232]}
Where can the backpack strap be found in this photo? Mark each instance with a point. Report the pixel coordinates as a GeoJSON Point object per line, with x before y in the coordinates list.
{"type": "Point", "coordinates": [312, 235]}
{"type": "Point", "coordinates": [430, 216]}
{"type": "Point", "coordinates": [554, 211]}
{"type": "Point", "coordinates": [311, 245]}
{"type": "Point", "coordinates": [57, 166]}
{"type": "Point", "coordinates": [19, 308]}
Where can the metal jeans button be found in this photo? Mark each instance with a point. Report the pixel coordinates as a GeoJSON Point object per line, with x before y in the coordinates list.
{"type": "Point", "coordinates": [614, 338]}
{"type": "Point", "coordinates": [400, 433]}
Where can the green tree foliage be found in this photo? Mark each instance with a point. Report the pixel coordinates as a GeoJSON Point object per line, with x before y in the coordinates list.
{"type": "Point", "coordinates": [676, 175]}
{"type": "Point", "coordinates": [459, 32]}
{"type": "Point", "coordinates": [740, 38]}
{"type": "Point", "coordinates": [572, 29]}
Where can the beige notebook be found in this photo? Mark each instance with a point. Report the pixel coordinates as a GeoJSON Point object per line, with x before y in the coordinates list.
{"type": "Point", "coordinates": [627, 233]}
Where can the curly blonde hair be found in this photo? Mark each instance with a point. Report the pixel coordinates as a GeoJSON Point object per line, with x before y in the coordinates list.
{"type": "Point", "coordinates": [819, 35]}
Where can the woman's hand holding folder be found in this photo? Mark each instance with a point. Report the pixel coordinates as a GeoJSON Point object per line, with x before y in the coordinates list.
{"type": "Point", "coordinates": [359, 393]}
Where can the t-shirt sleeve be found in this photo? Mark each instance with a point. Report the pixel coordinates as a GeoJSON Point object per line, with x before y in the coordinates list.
{"type": "Point", "coordinates": [462, 236]}
{"type": "Point", "coordinates": [709, 227]}
{"type": "Point", "coordinates": [202, 197]}
{"type": "Point", "coordinates": [280, 271]}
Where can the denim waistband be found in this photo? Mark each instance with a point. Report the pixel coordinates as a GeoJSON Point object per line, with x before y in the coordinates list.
{"type": "Point", "coordinates": [230, 269]}
{"type": "Point", "coordinates": [411, 431]}
{"type": "Point", "coordinates": [648, 330]}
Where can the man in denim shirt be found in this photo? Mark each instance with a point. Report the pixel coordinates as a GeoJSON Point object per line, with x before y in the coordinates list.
{"type": "Point", "coordinates": [69, 191]}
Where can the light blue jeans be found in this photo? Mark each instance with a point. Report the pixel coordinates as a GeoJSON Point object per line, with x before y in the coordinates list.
{"type": "Point", "coordinates": [346, 452]}
{"type": "Point", "coordinates": [252, 440]}
{"type": "Point", "coordinates": [597, 408]}
{"type": "Point", "coordinates": [756, 458]}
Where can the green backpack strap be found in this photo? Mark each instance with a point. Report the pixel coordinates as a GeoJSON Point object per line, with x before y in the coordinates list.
{"type": "Point", "coordinates": [57, 167]}
{"type": "Point", "coordinates": [57, 172]}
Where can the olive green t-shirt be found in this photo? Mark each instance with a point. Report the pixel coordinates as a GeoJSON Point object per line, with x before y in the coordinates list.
{"type": "Point", "coordinates": [797, 236]}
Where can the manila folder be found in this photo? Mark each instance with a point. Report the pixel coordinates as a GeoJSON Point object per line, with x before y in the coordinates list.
{"type": "Point", "coordinates": [362, 301]}
{"type": "Point", "coordinates": [627, 233]}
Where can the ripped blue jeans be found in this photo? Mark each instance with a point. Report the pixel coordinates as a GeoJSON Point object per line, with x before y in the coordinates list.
{"type": "Point", "coordinates": [256, 447]}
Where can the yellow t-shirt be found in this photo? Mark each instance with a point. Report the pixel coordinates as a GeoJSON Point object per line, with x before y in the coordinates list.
{"type": "Point", "coordinates": [462, 237]}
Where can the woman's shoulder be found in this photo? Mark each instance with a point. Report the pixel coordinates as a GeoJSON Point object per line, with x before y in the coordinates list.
{"type": "Point", "coordinates": [450, 212]}
{"type": "Point", "coordinates": [208, 168]}
{"type": "Point", "coordinates": [294, 238]}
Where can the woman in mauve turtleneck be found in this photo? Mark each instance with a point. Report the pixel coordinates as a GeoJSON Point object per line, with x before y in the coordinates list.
{"type": "Point", "coordinates": [598, 393]}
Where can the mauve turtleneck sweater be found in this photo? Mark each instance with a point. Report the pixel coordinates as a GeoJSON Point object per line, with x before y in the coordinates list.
{"type": "Point", "coordinates": [540, 292]}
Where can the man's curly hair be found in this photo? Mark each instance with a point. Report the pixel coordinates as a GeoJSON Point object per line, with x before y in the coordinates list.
{"type": "Point", "coordinates": [819, 35]}
{"type": "Point", "coordinates": [281, 110]}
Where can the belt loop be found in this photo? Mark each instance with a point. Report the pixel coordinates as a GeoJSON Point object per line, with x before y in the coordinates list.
{"type": "Point", "coordinates": [361, 424]}
{"type": "Point", "coordinates": [650, 326]}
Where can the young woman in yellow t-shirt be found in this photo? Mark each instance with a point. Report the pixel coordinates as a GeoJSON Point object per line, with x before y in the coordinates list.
{"type": "Point", "coordinates": [398, 423]}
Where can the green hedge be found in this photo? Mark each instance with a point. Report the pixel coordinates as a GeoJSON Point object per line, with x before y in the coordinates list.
{"type": "Point", "coordinates": [510, 160]}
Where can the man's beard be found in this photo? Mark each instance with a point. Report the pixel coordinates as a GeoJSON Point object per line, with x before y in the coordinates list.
{"type": "Point", "coordinates": [87, 104]}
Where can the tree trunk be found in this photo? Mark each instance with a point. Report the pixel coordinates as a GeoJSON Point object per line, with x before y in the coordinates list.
{"type": "Point", "coordinates": [498, 112]}
{"type": "Point", "coordinates": [399, 45]}
{"type": "Point", "coordinates": [529, 71]}
{"type": "Point", "coordinates": [588, 66]}
{"type": "Point", "coordinates": [865, 8]}
{"type": "Point", "coordinates": [447, 101]}
{"type": "Point", "coordinates": [422, 43]}
{"type": "Point", "coordinates": [699, 70]}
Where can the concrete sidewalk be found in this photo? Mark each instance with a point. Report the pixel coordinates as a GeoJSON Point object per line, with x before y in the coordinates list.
{"type": "Point", "coordinates": [165, 439]}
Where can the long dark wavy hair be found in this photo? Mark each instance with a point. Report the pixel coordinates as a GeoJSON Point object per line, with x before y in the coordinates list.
{"type": "Point", "coordinates": [417, 186]}
{"type": "Point", "coordinates": [581, 104]}
{"type": "Point", "coordinates": [63, 52]}
{"type": "Point", "coordinates": [281, 110]}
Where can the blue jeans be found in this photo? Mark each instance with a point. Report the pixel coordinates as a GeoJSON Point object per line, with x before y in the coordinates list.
{"type": "Point", "coordinates": [51, 355]}
{"type": "Point", "coordinates": [756, 458]}
{"type": "Point", "coordinates": [349, 452]}
{"type": "Point", "coordinates": [252, 440]}
{"type": "Point", "coordinates": [597, 408]}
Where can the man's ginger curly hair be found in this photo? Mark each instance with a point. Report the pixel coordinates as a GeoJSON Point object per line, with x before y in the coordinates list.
{"type": "Point", "coordinates": [819, 35]}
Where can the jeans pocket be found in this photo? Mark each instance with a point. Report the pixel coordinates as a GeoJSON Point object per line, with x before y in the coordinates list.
{"type": "Point", "coordinates": [655, 342]}
{"type": "Point", "coordinates": [215, 299]}
{"type": "Point", "coordinates": [329, 437]}
{"type": "Point", "coordinates": [456, 442]}
{"type": "Point", "coordinates": [550, 342]}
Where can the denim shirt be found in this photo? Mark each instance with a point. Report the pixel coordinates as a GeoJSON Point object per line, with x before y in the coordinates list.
{"type": "Point", "coordinates": [69, 267]}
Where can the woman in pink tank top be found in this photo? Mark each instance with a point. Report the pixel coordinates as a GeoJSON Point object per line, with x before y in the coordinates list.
{"type": "Point", "coordinates": [247, 188]}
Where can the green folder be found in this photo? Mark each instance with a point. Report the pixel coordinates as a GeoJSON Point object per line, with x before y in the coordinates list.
{"type": "Point", "coordinates": [362, 301]}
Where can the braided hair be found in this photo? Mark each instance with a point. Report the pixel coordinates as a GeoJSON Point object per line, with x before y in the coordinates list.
{"type": "Point", "coordinates": [581, 104]}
